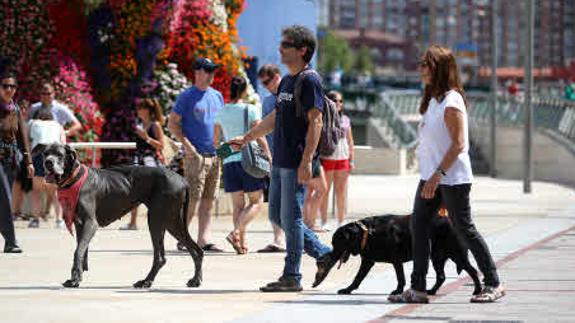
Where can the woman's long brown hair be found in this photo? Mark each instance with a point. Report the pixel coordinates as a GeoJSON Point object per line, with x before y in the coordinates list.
{"type": "Point", "coordinates": [156, 113]}
{"type": "Point", "coordinates": [444, 75]}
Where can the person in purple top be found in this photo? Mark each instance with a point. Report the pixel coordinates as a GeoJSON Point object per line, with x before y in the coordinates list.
{"type": "Point", "coordinates": [192, 123]}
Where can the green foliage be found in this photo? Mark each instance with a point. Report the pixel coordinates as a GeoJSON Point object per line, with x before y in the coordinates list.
{"type": "Point", "coordinates": [364, 61]}
{"type": "Point", "coordinates": [334, 53]}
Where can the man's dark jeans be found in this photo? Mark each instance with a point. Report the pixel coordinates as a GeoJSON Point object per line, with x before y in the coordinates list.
{"type": "Point", "coordinates": [456, 199]}
{"type": "Point", "coordinates": [7, 174]}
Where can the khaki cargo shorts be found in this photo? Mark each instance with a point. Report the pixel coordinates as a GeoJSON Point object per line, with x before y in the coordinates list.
{"type": "Point", "coordinates": [203, 176]}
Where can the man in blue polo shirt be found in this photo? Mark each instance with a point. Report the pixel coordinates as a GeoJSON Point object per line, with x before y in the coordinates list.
{"type": "Point", "coordinates": [192, 123]}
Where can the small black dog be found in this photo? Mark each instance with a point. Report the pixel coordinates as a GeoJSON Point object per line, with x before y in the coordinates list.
{"type": "Point", "coordinates": [387, 238]}
{"type": "Point", "coordinates": [97, 197]}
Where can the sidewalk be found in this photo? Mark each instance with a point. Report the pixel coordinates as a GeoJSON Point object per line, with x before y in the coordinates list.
{"type": "Point", "coordinates": [540, 285]}
{"type": "Point", "coordinates": [30, 289]}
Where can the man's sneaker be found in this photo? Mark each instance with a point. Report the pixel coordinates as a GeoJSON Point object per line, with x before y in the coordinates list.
{"type": "Point", "coordinates": [12, 249]}
{"type": "Point", "coordinates": [283, 285]}
{"type": "Point", "coordinates": [324, 265]}
{"type": "Point", "coordinates": [34, 223]}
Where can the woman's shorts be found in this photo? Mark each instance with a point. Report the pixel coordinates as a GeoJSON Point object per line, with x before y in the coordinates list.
{"type": "Point", "coordinates": [332, 165]}
{"type": "Point", "coordinates": [236, 179]}
{"type": "Point", "coordinates": [38, 162]}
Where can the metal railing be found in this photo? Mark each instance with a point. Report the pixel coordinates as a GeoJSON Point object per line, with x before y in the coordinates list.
{"type": "Point", "coordinates": [101, 145]}
{"type": "Point", "coordinates": [555, 115]}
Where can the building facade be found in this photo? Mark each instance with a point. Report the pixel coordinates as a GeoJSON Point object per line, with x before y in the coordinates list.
{"type": "Point", "coordinates": [465, 26]}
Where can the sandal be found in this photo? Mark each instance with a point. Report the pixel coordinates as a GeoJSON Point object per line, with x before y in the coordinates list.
{"type": "Point", "coordinates": [489, 294]}
{"type": "Point", "coordinates": [271, 248]}
{"type": "Point", "coordinates": [409, 296]}
{"type": "Point", "coordinates": [233, 239]}
{"type": "Point", "coordinates": [210, 247]}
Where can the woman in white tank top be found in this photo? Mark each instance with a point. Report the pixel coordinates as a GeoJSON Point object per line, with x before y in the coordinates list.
{"type": "Point", "coordinates": [446, 175]}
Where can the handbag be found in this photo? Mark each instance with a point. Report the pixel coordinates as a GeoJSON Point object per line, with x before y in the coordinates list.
{"type": "Point", "coordinates": [254, 160]}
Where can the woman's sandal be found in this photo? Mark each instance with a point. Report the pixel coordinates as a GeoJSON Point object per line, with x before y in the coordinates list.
{"type": "Point", "coordinates": [233, 239]}
{"type": "Point", "coordinates": [489, 294]}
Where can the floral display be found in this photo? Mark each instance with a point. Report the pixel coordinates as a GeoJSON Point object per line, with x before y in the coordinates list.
{"type": "Point", "coordinates": [170, 84]}
{"type": "Point", "coordinates": [102, 55]}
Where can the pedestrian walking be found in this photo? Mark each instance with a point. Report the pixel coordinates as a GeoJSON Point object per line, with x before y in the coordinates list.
{"type": "Point", "coordinates": [295, 141]}
{"type": "Point", "coordinates": [446, 176]}
{"type": "Point", "coordinates": [338, 166]}
{"type": "Point", "coordinates": [270, 77]}
{"type": "Point", "coordinates": [231, 122]}
{"type": "Point", "coordinates": [44, 131]}
{"type": "Point", "coordinates": [149, 143]}
{"type": "Point", "coordinates": [192, 123]}
{"type": "Point", "coordinates": [13, 137]}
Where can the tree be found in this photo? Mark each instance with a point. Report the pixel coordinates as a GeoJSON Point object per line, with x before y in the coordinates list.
{"type": "Point", "coordinates": [364, 61]}
{"type": "Point", "coordinates": [334, 53]}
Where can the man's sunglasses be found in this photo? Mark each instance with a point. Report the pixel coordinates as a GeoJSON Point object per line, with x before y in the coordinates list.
{"type": "Point", "coordinates": [267, 82]}
{"type": "Point", "coordinates": [7, 87]}
{"type": "Point", "coordinates": [288, 44]}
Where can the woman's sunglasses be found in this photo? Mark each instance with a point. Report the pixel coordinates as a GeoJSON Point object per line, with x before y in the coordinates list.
{"type": "Point", "coordinates": [7, 87]}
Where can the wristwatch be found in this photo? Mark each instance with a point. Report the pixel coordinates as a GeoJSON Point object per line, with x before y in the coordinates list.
{"type": "Point", "coordinates": [440, 171]}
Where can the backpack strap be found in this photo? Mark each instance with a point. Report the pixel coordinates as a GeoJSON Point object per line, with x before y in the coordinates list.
{"type": "Point", "coordinates": [246, 128]}
{"type": "Point", "coordinates": [298, 89]}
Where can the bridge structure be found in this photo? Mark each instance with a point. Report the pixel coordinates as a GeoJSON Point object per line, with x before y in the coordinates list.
{"type": "Point", "coordinates": [390, 120]}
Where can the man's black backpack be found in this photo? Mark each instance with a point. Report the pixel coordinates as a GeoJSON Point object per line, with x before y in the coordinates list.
{"type": "Point", "coordinates": [331, 130]}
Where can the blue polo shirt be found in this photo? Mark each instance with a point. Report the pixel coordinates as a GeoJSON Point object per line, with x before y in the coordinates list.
{"type": "Point", "coordinates": [198, 110]}
{"type": "Point", "coordinates": [268, 105]}
{"type": "Point", "coordinates": [290, 130]}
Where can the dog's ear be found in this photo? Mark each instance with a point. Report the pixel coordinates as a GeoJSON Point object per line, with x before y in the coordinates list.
{"type": "Point", "coordinates": [71, 155]}
{"type": "Point", "coordinates": [356, 234]}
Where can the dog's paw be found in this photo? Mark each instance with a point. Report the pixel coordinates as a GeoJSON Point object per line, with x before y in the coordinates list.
{"type": "Point", "coordinates": [431, 291]}
{"type": "Point", "coordinates": [344, 291]}
{"type": "Point", "coordinates": [143, 284]}
{"type": "Point", "coordinates": [70, 283]}
{"type": "Point", "coordinates": [396, 292]}
{"type": "Point", "coordinates": [194, 282]}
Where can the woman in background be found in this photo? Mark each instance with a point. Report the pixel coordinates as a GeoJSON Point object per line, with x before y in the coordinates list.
{"type": "Point", "coordinates": [149, 143]}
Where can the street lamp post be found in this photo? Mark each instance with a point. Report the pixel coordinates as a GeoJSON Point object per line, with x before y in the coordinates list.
{"type": "Point", "coordinates": [493, 114]}
{"type": "Point", "coordinates": [528, 140]}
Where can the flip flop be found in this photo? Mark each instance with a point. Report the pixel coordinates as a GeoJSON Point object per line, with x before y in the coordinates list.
{"type": "Point", "coordinates": [271, 248]}
{"type": "Point", "coordinates": [210, 247]}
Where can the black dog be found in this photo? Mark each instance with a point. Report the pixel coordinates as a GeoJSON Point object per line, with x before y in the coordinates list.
{"type": "Point", "coordinates": [387, 238]}
{"type": "Point", "coordinates": [107, 194]}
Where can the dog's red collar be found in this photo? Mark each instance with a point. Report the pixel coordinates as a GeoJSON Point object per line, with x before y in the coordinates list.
{"type": "Point", "coordinates": [365, 235]}
{"type": "Point", "coordinates": [68, 196]}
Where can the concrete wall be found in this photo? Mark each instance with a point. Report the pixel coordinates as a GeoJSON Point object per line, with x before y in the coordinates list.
{"type": "Point", "coordinates": [370, 160]}
{"type": "Point", "coordinates": [553, 160]}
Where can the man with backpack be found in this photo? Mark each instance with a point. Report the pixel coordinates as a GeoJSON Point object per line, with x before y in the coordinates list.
{"type": "Point", "coordinates": [297, 124]}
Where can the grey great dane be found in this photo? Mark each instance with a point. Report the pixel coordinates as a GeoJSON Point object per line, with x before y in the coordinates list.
{"type": "Point", "coordinates": [104, 195]}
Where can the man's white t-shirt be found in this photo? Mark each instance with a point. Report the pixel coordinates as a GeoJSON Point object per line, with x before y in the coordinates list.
{"type": "Point", "coordinates": [434, 141]}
